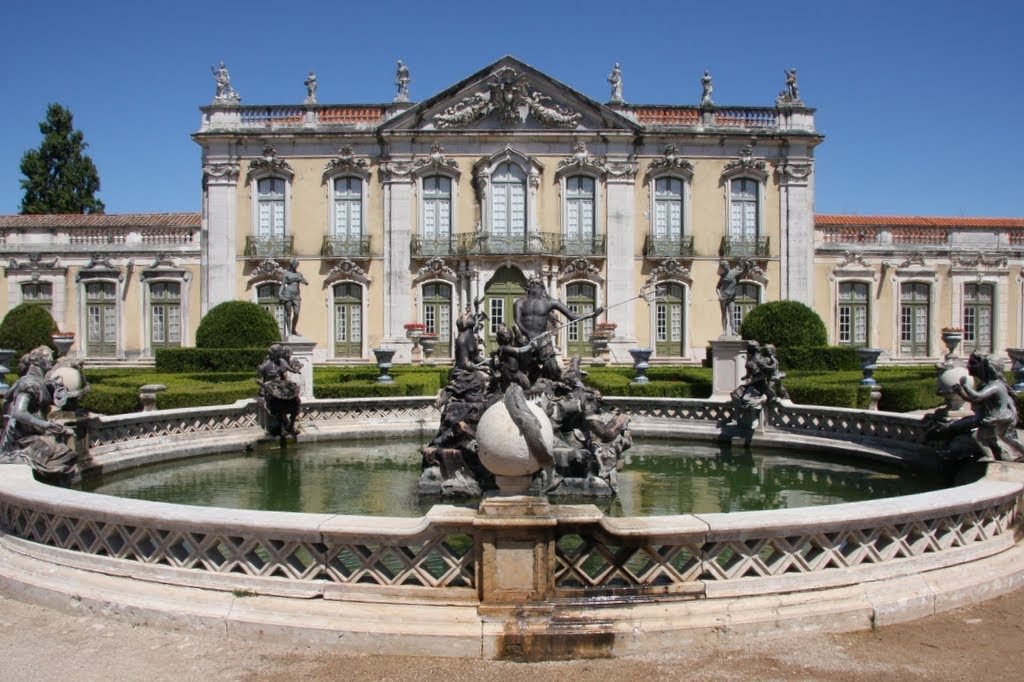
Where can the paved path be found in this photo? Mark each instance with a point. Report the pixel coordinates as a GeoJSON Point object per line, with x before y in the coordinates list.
{"type": "Point", "coordinates": [983, 642]}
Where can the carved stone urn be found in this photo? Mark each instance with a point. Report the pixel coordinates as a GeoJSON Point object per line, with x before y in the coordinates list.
{"type": "Point", "coordinates": [640, 364]}
{"type": "Point", "coordinates": [868, 358]}
{"type": "Point", "coordinates": [951, 338]}
{"type": "Point", "coordinates": [384, 356]}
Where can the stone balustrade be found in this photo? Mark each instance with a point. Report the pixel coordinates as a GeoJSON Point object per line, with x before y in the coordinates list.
{"type": "Point", "coordinates": [86, 239]}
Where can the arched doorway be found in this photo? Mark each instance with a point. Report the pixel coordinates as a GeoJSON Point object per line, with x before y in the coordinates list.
{"type": "Point", "coordinates": [500, 294]}
{"type": "Point", "coordinates": [579, 298]}
{"type": "Point", "coordinates": [437, 316]}
{"type": "Point", "coordinates": [670, 322]}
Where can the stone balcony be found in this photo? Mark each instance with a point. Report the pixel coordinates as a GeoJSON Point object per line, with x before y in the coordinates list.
{"type": "Point", "coordinates": [261, 248]}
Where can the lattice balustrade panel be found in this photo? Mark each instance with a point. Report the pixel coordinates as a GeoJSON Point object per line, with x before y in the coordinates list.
{"type": "Point", "coordinates": [584, 561]}
{"type": "Point", "coordinates": [444, 559]}
{"type": "Point", "coordinates": [799, 418]}
{"type": "Point", "coordinates": [111, 433]}
{"type": "Point", "coordinates": [368, 413]}
{"type": "Point", "coordinates": [689, 410]}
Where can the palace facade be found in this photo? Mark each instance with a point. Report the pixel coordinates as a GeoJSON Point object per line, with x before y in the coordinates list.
{"type": "Point", "coordinates": [403, 213]}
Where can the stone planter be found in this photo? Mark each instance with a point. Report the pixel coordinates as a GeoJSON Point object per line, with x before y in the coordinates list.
{"type": "Point", "coordinates": [63, 343]}
{"type": "Point", "coordinates": [599, 345]}
{"type": "Point", "coordinates": [952, 339]}
{"type": "Point", "coordinates": [640, 364]}
{"type": "Point", "coordinates": [868, 357]}
{"type": "Point", "coordinates": [428, 344]}
{"type": "Point", "coordinates": [384, 364]}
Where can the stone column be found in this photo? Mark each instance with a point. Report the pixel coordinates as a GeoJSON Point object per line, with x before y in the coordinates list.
{"type": "Point", "coordinates": [220, 238]}
{"type": "Point", "coordinates": [621, 283]}
{"type": "Point", "coordinates": [397, 256]}
{"type": "Point", "coordinates": [796, 221]}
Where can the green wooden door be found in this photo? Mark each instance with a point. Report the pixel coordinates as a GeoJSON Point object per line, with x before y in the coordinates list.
{"type": "Point", "coordinates": [580, 298]}
{"type": "Point", "coordinates": [348, 320]}
{"type": "Point", "coordinates": [670, 323]}
{"type": "Point", "coordinates": [507, 285]}
{"type": "Point", "coordinates": [437, 316]}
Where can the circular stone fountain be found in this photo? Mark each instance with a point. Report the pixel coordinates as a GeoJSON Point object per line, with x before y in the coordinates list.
{"type": "Point", "coordinates": [518, 577]}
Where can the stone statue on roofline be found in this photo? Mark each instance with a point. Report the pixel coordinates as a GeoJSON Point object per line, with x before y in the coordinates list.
{"type": "Point", "coordinates": [615, 80]}
{"type": "Point", "coordinates": [705, 89]}
{"type": "Point", "coordinates": [401, 82]}
{"type": "Point", "coordinates": [310, 84]}
{"type": "Point", "coordinates": [790, 95]}
{"type": "Point", "coordinates": [225, 94]}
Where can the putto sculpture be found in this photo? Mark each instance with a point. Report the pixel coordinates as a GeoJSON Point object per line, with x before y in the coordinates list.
{"type": "Point", "coordinates": [588, 445]}
{"type": "Point", "coordinates": [990, 433]}
{"type": "Point", "coordinates": [310, 84]}
{"type": "Point", "coordinates": [279, 399]}
{"type": "Point", "coordinates": [28, 436]}
{"type": "Point", "coordinates": [761, 384]}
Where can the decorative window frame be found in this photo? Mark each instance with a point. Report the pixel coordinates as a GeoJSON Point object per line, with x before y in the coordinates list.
{"type": "Point", "coordinates": [563, 294]}
{"type": "Point", "coordinates": [914, 269]}
{"type": "Point", "coordinates": [853, 268]}
{"type": "Point", "coordinates": [269, 166]}
{"type": "Point", "coordinates": [980, 269]}
{"type": "Point", "coordinates": [346, 165]}
{"type": "Point", "coordinates": [670, 165]}
{"type": "Point", "coordinates": [163, 269]}
{"type": "Point", "coordinates": [485, 167]}
{"type": "Point", "coordinates": [436, 269]}
{"type": "Point", "coordinates": [346, 270]}
{"type": "Point", "coordinates": [101, 269]}
{"type": "Point", "coordinates": [453, 302]}
{"type": "Point", "coordinates": [35, 270]}
{"type": "Point", "coordinates": [580, 163]}
{"type": "Point", "coordinates": [748, 167]}
{"type": "Point", "coordinates": [671, 271]}
{"type": "Point", "coordinates": [436, 163]}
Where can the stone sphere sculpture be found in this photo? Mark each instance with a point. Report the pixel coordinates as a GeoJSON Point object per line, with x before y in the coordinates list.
{"type": "Point", "coordinates": [504, 450]}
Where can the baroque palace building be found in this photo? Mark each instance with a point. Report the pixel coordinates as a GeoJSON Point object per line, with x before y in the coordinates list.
{"type": "Point", "coordinates": [404, 212]}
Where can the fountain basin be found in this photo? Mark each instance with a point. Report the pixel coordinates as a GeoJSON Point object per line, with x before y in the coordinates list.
{"type": "Point", "coordinates": [587, 584]}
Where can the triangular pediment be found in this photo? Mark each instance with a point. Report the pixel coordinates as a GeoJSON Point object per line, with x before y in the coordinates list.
{"type": "Point", "coordinates": [510, 95]}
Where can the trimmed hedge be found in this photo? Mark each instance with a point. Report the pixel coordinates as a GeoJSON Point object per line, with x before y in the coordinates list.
{"type": "Point", "coordinates": [237, 324]}
{"type": "Point", "coordinates": [785, 324]}
{"type": "Point", "coordinates": [25, 327]}
{"type": "Point", "coordinates": [210, 359]}
{"type": "Point", "coordinates": [819, 358]}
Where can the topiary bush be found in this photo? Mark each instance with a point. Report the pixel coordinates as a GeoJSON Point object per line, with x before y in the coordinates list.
{"type": "Point", "coordinates": [25, 327]}
{"type": "Point", "coordinates": [210, 359]}
{"type": "Point", "coordinates": [237, 324]}
{"type": "Point", "coordinates": [785, 324]}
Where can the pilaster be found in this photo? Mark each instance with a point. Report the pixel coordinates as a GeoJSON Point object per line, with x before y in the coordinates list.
{"type": "Point", "coordinates": [796, 223]}
{"type": "Point", "coordinates": [397, 180]}
{"type": "Point", "coordinates": [218, 246]}
{"type": "Point", "coordinates": [620, 283]}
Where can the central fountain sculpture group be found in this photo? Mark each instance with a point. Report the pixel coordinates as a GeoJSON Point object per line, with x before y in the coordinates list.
{"type": "Point", "coordinates": [588, 445]}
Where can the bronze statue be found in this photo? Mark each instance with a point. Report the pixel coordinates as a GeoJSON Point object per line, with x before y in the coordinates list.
{"type": "Point", "coordinates": [28, 436]}
{"type": "Point", "coordinates": [533, 317]}
{"type": "Point", "coordinates": [279, 395]}
{"type": "Point", "coordinates": [290, 296]}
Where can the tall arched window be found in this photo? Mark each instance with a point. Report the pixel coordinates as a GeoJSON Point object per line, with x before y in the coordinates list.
{"type": "Point", "coordinates": [348, 208]}
{"type": "Point", "coordinates": [270, 208]}
{"type": "Point", "coordinates": [437, 214]}
{"type": "Point", "coordinates": [915, 301]}
{"type": "Point", "coordinates": [668, 210]}
{"type": "Point", "coordinates": [437, 315]}
{"type": "Point", "coordinates": [743, 210]}
{"type": "Point", "coordinates": [748, 295]}
{"type": "Point", "coordinates": [669, 321]}
{"type": "Point", "coordinates": [348, 320]}
{"type": "Point", "coordinates": [101, 319]}
{"type": "Point", "coordinates": [853, 314]}
{"type": "Point", "coordinates": [978, 325]}
{"type": "Point", "coordinates": [579, 298]}
{"type": "Point", "coordinates": [266, 296]}
{"type": "Point", "coordinates": [508, 203]}
{"type": "Point", "coordinates": [579, 214]}
{"type": "Point", "coordinates": [164, 315]}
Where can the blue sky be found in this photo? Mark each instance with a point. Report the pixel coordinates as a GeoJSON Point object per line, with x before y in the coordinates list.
{"type": "Point", "coordinates": [922, 102]}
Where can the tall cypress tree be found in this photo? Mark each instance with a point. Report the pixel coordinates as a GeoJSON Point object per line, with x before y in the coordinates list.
{"type": "Point", "coordinates": [59, 176]}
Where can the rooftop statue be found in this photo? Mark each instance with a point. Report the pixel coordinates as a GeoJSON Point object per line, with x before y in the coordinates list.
{"type": "Point", "coordinates": [705, 89]}
{"type": "Point", "coordinates": [225, 94]}
{"type": "Point", "coordinates": [310, 84]}
{"type": "Point", "coordinates": [402, 82]}
{"type": "Point", "coordinates": [615, 80]}
{"type": "Point", "coordinates": [790, 95]}
{"type": "Point", "coordinates": [28, 436]}
{"type": "Point", "coordinates": [290, 296]}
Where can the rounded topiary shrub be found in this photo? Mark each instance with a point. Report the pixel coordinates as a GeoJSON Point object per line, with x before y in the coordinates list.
{"type": "Point", "coordinates": [25, 327]}
{"type": "Point", "coordinates": [237, 324]}
{"type": "Point", "coordinates": [785, 324]}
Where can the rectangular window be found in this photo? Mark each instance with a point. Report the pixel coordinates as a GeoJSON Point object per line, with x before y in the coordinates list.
{"type": "Point", "coordinates": [914, 319]}
{"type": "Point", "coordinates": [497, 314]}
{"type": "Point", "coordinates": [662, 322]}
{"type": "Point", "coordinates": [853, 314]}
{"type": "Point", "coordinates": [978, 318]}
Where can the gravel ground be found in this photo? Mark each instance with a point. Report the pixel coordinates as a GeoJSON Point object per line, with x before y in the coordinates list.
{"type": "Point", "coordinates": [982, 642]}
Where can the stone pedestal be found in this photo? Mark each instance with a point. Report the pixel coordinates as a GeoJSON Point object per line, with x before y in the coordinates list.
{"type": "Point", "coordinates": [517, 543]}
{"type": "Point", "coordinates": [302, 350]}
{"type": "Point", "coordinates": [619, 349]}
{"type": "Point", "coordinates": [729, 359]}
{"type": "Point", "coordinates": [402, 347]}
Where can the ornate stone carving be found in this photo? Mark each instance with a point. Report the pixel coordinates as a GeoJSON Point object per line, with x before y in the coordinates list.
{"type": "Point", "coordinates": [669, 269]}
{"type": "Point", "coordinates": [394, 171]}
{"type": "Point", "coordinates": [267, 271]}
{"type": "Point", "coordinates": [980, 261]}
{"type": "Point", "coordinates": [509, 96]}
{"type": "Point", "coordinates": [579, 268]}
{"type": "Point", "coordinates": [347, 162]}
{"type": "Point", "coordinates": [269, 163]}
{"type": "Point", "coordinates": [746, 161]}
{"type": "Point", "coordinates": [346, 269]}
{"type": "Point", "coordinates": [671, 161]}
{"type": "Point", "coordinates": [852, 258]}
{"type": "Point", "coordinates": [794, 173]}
{"type": "Point", "coordinates": [226, 173]}
{"type": "Point", "coordinates": [621, 170]}
{"type": "Point", "coordinates": [35, 266]}
{"type": "Point", "coordinates": [435, 268]}
{"type": "Point", "coordinates": [100, 265]}
{"type": "Point", "coordinates": [580, 158]}
{"type": "Point", "coordinates": [437, 160]}
{"type": "Point", "coordinates": [915, 259]}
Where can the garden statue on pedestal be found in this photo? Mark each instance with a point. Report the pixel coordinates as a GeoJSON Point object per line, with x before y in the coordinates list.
{"type": "Point", "coordinates": [278, 399]}
{"type": "Point", "coordinates": [762, 384]}
{"type": "Point", "coordinates": [290, 296]}
{"type": "Point", "coordinates": [28, 436]}
{"type": "Point", "coordinates": [991, 432]}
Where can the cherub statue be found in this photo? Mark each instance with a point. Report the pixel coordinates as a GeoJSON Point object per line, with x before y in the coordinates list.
{"type": "Point", "coordinates": [278, 392]}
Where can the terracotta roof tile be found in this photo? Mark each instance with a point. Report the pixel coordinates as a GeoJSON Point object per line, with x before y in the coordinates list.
{"type": "Point", "coordinates": [102, 220]}
{"type": "Point", "coordinates": [915, 221]}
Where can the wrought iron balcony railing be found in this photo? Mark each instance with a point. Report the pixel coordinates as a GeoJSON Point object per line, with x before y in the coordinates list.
{"type": "Point", "coordinates": [434, 246]}
{"type": "Point", "coordinates": [553, 243]}
{"type": "Point", "coordinates": [673, 245]}
{"type": "Point", "coordinates": [751, 246]}
{"type": "Point", "coordinates": [352, 247]}
{"type": "Point", "coordinates": [268, 247]}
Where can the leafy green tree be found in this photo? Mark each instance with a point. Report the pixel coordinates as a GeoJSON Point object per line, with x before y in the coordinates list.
{"type": "Point", "coordinates": [59, 176]}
